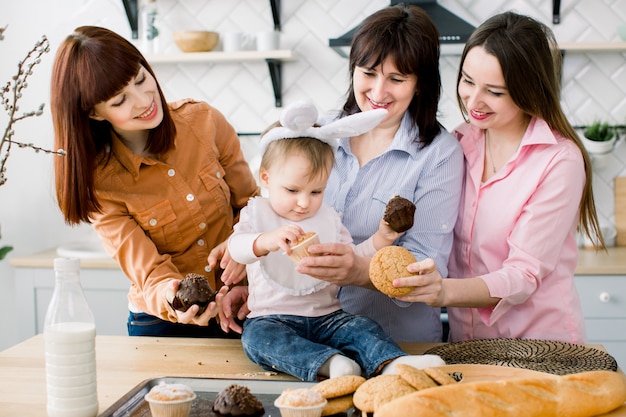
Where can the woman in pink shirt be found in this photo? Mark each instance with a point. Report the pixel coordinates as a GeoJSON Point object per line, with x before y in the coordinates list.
{"type": "Point", "coordinates": [527, 189]}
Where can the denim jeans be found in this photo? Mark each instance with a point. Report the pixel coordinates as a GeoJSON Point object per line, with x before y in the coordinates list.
{"type": "Point", "coordinates": [142, 324]}
{"type": "Point", "coordinates": [300, 345]}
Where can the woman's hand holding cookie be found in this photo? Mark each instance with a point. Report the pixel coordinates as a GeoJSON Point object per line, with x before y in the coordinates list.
{"type": "Point", "coordinates": [427, 283]}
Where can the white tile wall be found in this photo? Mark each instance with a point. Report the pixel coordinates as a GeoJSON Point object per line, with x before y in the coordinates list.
{"type": "Point", "coordinates": [594, 85]}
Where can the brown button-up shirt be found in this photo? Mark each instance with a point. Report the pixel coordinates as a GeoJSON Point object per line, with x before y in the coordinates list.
{"type": "Point", "coordinates": [161, 217]}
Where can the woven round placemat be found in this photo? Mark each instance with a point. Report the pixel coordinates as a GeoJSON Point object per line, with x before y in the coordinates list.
{"type": "Point", "coordinates": [559, 358]}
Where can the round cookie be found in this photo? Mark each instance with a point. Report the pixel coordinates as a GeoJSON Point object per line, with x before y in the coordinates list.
{"type": "Point", "coordinates": [418, 378]}
{"type": "Point", "coordinates": [339, 386]}
{"type": "Point", "coordinates": [337, 405]}
{"type": "Point", "coordinates": [380, 390]}
{"type": "Point", "coordinates": [388, 264]}
{"type": "Point", "coordinates": [439, 376]}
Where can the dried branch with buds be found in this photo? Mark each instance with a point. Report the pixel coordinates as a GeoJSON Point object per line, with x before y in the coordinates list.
{"type": "Point", "coordinates": [10, 95]}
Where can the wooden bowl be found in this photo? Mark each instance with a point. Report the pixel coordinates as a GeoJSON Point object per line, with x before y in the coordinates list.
{"type": "Point", "coordinates": [196, 40]}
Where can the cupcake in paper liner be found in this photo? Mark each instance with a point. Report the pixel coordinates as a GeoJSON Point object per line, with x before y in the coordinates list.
{"type": "Point", "coordinates": [299, 248]}
{"type": "Point", "coordinates": [302, 402]}
{"type": "Point", "coordinates": [170, 400]}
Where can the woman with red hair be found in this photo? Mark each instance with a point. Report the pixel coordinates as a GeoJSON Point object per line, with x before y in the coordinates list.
{"type": "Point", "coordinates": [161, 183]}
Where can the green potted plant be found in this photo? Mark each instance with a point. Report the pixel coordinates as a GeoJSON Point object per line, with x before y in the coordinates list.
{"type": "Point", "coordinates": [4, 250]}
{"type": "Point", "coordinates": [599, 137]}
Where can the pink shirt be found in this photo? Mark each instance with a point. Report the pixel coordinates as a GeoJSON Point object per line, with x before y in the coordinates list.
{"type": "Point", "coordinates": [517, 231]}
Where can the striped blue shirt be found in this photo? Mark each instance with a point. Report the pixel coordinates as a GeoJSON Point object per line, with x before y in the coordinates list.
{"type": "Point", "coordinates": [432, 179]}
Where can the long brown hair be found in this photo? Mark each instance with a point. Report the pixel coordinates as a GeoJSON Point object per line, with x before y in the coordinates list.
{"type": "Point", "coordinates": [531, 64]}
{"type": "Point", "coordinates": [92, 65]}
{"type": "Point", "coordinates": [407, 35]}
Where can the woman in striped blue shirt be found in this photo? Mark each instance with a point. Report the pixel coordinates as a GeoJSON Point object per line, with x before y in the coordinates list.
{"type": "Point", "coordinates": [394, 64]}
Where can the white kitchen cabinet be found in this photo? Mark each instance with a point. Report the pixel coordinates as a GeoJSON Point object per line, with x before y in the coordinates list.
{"type": "Point", "coordinates": [106, 290]}
{"type": "Point", "coordinates": [603, 299]}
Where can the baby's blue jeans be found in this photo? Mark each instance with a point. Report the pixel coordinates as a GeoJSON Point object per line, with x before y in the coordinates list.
{"type": "Point", "coordinates": [300, 345]}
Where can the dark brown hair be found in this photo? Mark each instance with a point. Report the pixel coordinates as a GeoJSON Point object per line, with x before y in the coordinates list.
{"type": "Point", "coordinates": [92, 65]}
{"type": "Point", "coordinates": [408, 36]}
{"type": "Point", "coordinates": [531, 65]}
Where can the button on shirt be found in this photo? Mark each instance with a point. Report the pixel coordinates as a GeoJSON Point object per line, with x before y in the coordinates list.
{"type": "Point", "coordinates": [516, 231]}
{"type": "Point", "coordinates": [161, 217]}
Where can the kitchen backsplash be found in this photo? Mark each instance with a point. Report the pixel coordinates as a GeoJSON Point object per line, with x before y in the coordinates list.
{"type": "Point", "coordinates": [594, 84]}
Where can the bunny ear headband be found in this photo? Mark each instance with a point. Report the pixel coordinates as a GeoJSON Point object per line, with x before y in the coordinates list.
{"type": "Point", "coordinates": [298, 121]}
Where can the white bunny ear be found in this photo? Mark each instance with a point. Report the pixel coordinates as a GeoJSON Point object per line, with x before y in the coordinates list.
{"type": "Point", "coordinates": [353, 125]}
{"type": "Point", "coordinates": [298, 120]}
{"type": "Point", "coordinates": [299, 116]}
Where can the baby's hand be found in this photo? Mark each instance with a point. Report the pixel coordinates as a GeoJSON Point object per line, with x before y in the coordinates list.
{"type": "Point", "coordinates": [281, 238]}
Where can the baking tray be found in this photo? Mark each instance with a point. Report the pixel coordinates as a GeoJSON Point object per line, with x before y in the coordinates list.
{"type": "Point", "coordinates": [133, 404]}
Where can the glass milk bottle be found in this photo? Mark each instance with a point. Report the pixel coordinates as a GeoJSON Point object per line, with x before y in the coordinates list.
{"type": "Point", "coordinates": [69, 335]}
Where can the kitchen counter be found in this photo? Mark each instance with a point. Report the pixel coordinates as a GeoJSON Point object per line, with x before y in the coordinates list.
{"type": "Point", "coordinates": [611, 262]}
{"type": "Point", "coordinates": [590, 262]}
{"type": "Point", "coordinates": [124, 362]}
{"type": "Point", "coordinates": [45, 259]}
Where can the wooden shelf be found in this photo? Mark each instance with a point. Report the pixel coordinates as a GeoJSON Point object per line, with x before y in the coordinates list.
{"type": "Point", "coordinates": [593, 46]}
{"type": "Point", "coordinates": [452, 49]}
{"type": "Point", "coordinates": [218, 56]}
{"type": "Point", "coordinates": [274, 60]}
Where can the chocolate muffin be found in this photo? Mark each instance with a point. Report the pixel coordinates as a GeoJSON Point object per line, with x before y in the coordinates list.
{"type": "Point", "coordinates": [400, 214]}
{"type": "Point", "coordinates": [237, 400]}
{"type": "Point", "coordinates": [194, 289]}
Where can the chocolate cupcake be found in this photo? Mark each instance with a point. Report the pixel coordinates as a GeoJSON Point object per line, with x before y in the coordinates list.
{"type": "Point", "coordinates": [237, 400]}
{"type": "Point", "coordinates": [194, 289]}
{"type": "Point", "coordinates": [400, 214]}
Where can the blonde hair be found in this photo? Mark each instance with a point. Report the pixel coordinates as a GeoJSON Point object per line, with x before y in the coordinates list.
{"type": "Point", "coordinates": [319, 154]}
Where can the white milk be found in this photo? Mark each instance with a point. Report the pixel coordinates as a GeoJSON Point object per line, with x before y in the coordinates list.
{"type": "Point", "coordinates": [71, 370]}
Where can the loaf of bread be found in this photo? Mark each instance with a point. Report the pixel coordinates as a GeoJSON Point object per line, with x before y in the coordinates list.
{"type": "Point", "coordinates": [583, 394]}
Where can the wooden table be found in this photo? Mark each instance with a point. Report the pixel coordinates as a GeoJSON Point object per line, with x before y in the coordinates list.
{"type": "Point", "coordinates": [124, 362]}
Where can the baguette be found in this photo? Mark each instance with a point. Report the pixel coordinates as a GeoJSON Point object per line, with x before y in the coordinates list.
{"type": "Point", "coordinates": [583, 394]}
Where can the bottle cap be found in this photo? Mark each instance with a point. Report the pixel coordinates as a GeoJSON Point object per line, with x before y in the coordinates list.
{"type": "Point", "coordinates": [66, 264]}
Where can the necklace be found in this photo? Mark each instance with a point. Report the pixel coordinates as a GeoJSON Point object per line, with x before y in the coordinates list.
{"type": "Point", "coordinates": [493, 165]}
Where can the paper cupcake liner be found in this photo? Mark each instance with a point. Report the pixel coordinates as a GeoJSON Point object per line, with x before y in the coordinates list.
{"type": "Point", "coordinates": [304, 411]}
{"type": "Point", "coordinates": [300, 251]}
{"type": "Point", "coordinates": [174, 408]}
